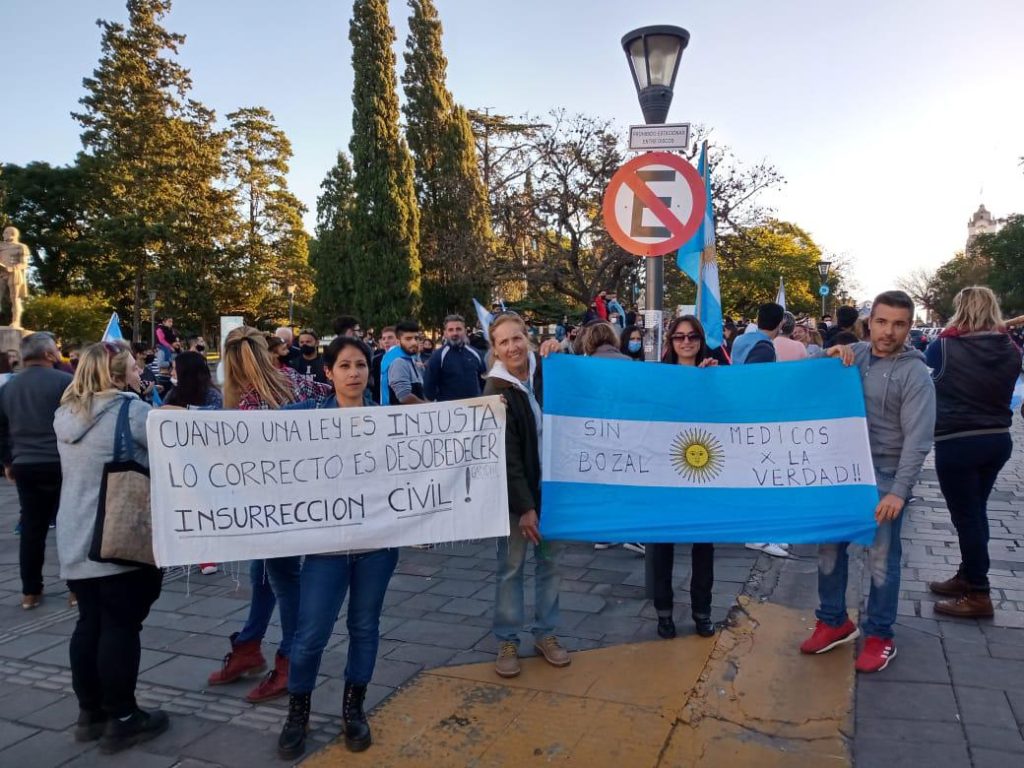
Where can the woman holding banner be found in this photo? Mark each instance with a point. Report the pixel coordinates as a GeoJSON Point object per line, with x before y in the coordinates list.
{"type": "Point", "coordinates": [113, 600]}
{"type": "Point", "coordinates": [326, 578]}
{"type": "Point", "coordinates": [515, 375]}
{"type": "Point", "coordinates": [687, 345]}
{"type": "Point", "coordinates": [253, 383]}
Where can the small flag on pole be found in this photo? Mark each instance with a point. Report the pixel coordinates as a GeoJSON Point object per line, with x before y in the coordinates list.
{"type": "Point", "coordinates": [780, 297]}
{"type": "Point", "coordinates": [113, 332]}
{"type": "Point", "coordinates": [484, 318]}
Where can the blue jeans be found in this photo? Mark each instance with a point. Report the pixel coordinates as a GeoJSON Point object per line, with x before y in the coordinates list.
{"type": "Point", "coordinates": [508, 601]}
{"type": "Point", "coordinates": [273, 581]}
{"type": "Point", "coordinates": [884, 563]}
{"type": "Point", "coordinates": [325, 580]}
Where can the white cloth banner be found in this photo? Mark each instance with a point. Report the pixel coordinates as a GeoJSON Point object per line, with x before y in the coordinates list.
{"type": "Point", "coordinates": [239, 485]}
{"type": "Point", "coordinates": [792, 454]}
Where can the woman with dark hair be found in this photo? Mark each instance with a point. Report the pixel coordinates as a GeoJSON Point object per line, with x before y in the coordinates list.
{"type": "Point", "coordinates": [325, 580]}
{"type": "Point", "coordinates": [631, 343]}
{"type": "Point", "coordinates": [194, 385]}
{"type": "Point", "coordinates": [686, 344]}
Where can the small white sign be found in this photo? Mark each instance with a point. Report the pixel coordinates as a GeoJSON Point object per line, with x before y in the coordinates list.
{"type": "Point", "coordinates": [666, 136]}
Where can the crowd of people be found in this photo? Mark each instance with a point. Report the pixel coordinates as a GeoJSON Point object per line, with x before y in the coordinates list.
{"type": "Point", "coordinates": [58, 430]}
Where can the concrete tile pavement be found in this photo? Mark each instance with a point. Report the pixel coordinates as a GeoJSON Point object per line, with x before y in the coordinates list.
{"type": "Point", "coordinates": [437, 613]}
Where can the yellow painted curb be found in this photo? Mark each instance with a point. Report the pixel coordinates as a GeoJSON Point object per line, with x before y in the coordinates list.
{"type": "Point", "coordinates": [749, 699]}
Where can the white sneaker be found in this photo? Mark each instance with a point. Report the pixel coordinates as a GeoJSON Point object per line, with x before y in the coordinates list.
{"type": "Point", "coordinates": [769, 549]}
{"type": "Point", "coordinates": [634, 547]}
{"type": "Point", "coordinates": [603, 545]}
{"type": "Point", "coordinates": [208, 569]}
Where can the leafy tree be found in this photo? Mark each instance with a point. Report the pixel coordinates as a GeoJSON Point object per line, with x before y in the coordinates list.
{"type": "Point", "coordinates": [330, 257]}
{"type": "Point", "coordinates": [455, 232]}
{"type": "Point", "coordinates": [385, 224]}
{"type": "Point", "coordinates": [79, 319]}
{"type": "Point", "coordinates": [50, 206]}
{"type": "Point", "coordinates": [936, 290]}
{"type": "Point", "coordinates": [152, 157]}
{"type": "Point", "coordinates": [1004, 251]}
{"type": "Point", "coordinates": [752, 259]}
{"type": "Point", "coordinates": [271, 247]}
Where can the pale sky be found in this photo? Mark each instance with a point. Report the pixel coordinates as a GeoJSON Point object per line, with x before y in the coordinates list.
{"type": "Point", "coordinates": [891, 120]}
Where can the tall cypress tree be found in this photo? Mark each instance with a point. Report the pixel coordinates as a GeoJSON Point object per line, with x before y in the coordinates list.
{"type": "Point", "coordinates": [329, 255]}
{"type": "Point", "coordinates": [455, 233]}
{"type": "Point", "coordinates": [383, 242]}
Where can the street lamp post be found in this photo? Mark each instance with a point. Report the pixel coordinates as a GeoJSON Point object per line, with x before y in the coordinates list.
{"type": "Point", "coordinates": [291, 305]}
{"type": "Point", "coordinates": [152, 320]}
{"type": "Point", "coordinates": [653, 54]}
{"type": "Point", "coordinates": [823, 267]}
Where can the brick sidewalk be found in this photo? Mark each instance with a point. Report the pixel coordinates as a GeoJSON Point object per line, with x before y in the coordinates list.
{"type": "Point", "coordinates": [437, 613]}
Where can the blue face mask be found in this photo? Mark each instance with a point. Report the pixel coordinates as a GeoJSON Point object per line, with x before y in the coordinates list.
{"type": "Point", "coordinates": [635, 346]}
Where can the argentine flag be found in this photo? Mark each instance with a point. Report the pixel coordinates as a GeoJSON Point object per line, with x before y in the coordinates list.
{"type": "Point", "coordinates": [705, 454]}
{"type": "Point", "coordinates": [113, 329]}
{"type": "Point", "coordinates": [697, 259]}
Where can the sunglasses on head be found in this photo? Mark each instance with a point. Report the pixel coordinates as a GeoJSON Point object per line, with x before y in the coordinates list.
{"type": "Point", "coordinates": [685, 337]}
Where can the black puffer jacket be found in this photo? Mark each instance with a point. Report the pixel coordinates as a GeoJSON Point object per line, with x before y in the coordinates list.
{"type": "Point", "coordinates": [974, 379]}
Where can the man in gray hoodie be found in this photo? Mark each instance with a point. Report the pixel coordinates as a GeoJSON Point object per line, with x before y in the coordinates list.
{"type": "Point", "coordinates": [900, 401]}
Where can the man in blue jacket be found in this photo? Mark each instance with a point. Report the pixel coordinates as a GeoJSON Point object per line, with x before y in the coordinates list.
{"type": "Point", "coordinates": [757, 346]}
{"type": "Point", "coordinates": [456, 370]}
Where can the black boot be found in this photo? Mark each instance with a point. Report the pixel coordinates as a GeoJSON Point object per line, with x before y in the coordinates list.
{"type": "Point", "coordinates": [140, 726]}
{"type": "Point", "coordinates": [357, 730]}
{"type": "Point", "coordinates": [666, 627]}
{"type": "Point", "coordinates": [292, 741]}
{"type": "Point", "coordinates": [90, 725]}
{"type": "Point", "coordinates": [705, 627]}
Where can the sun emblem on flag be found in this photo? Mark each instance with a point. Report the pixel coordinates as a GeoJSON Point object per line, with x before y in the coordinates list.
{"type": "Point", "coordinates": [697, 455]}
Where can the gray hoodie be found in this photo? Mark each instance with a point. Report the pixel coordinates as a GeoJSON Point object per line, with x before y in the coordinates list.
{"type": "Point", "coordinates": [85, 443]}
{"type": "Point", "coordinates": [900, 400]}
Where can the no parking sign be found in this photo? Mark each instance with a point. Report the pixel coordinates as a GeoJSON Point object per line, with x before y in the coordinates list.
{"type": "Point", "coordinates": [654, 204]}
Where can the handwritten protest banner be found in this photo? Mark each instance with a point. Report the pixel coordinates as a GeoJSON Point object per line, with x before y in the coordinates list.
{"type": "Point", "coordinates": [668, 453]}
{"type": "Point", "coordinates": [237, 485]}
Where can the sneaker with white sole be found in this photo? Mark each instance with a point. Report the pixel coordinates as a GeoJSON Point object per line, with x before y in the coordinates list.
{"type": "Point", "coordinates": [633, 546]}
{"type": "Point", "coordinates": [208, 569]}
{"type": "Point", "coordinates": [769, 549]}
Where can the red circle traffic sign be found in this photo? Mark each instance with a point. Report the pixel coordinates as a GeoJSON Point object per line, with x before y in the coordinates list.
{"type": "Point", "coordinates": [638, 217]}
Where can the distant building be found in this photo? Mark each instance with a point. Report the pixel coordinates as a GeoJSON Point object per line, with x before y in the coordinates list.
{"type": "Point", "coordinates": [981, 223]}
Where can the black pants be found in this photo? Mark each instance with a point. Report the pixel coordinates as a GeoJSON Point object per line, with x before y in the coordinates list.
{"type": "Point", "coordinates": [702, 577]}
{"type": "Point", "coordinates": [967, 468]}
{"type": "Point", "coordinates": [105, 646]}
{"type": "Point", "coordinates": [39, 496]}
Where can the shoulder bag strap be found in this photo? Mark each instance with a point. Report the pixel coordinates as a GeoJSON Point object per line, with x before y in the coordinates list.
{"type": "Point", "coordinates": [124, 450]}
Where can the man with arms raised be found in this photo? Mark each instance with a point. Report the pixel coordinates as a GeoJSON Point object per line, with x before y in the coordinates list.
{"type": "Point", "coordinates": [900, 401]}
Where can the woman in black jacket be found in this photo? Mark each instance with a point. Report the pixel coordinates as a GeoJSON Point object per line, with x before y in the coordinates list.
{"type": "Point", "coordinates": [515, 375]}
{"type": "Point", "coordinates": [975, 365]}
{"type": "Point", "coordinates": [686, 344]}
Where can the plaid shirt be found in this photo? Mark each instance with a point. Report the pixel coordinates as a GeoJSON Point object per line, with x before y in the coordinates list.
{"type": "Point", "coordinates": [303, 388]}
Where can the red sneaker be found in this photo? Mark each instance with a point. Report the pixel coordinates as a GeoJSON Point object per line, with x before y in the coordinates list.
{"type": "Point", "coordinates": [826, 637]}
{"type": "Point", "coordinates": [876, 654]}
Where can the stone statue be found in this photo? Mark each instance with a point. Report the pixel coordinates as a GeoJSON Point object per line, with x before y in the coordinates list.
{"type": "Point", "coordinates": [14, 263]}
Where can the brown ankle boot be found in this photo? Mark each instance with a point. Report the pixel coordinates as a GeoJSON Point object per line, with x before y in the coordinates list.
{"type": "Point", "coordinates": [972, 605]}
{"type": "Point", "coordinates": [243, 659]}
{"type": "Point", "coordinates": [274, 684]}
{"type": "Point", "coordinates": [953, 587]}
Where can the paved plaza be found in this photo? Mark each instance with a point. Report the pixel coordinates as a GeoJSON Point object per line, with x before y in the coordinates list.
{"type": "Point", "coordinates": [953, 697]}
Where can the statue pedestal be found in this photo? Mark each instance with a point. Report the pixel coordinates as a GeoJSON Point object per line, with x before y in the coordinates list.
{"type": "Point", "coordinates": [10, 339]}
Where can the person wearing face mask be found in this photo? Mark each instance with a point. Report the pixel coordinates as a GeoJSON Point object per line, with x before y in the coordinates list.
{"type": "Point", "coordinates": [632, 343]}
{"type": "Point", "coordinates": [310, 363]}
{"type": "Point", "coordinates": [457, 370]}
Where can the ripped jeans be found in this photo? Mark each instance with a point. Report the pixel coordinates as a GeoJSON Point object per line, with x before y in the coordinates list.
{"type": "Point", "coordinates": [884, 557]}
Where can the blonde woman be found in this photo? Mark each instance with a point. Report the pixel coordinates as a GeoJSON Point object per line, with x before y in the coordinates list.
{"type": "Point", "coordinates": [253, 382]}
{"type": "Point", "coordinates": [515, 375]}
{"type": "Point", "coordinates": [974, 366]}
{"type": "Point", "coordinates": [113, 600]}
